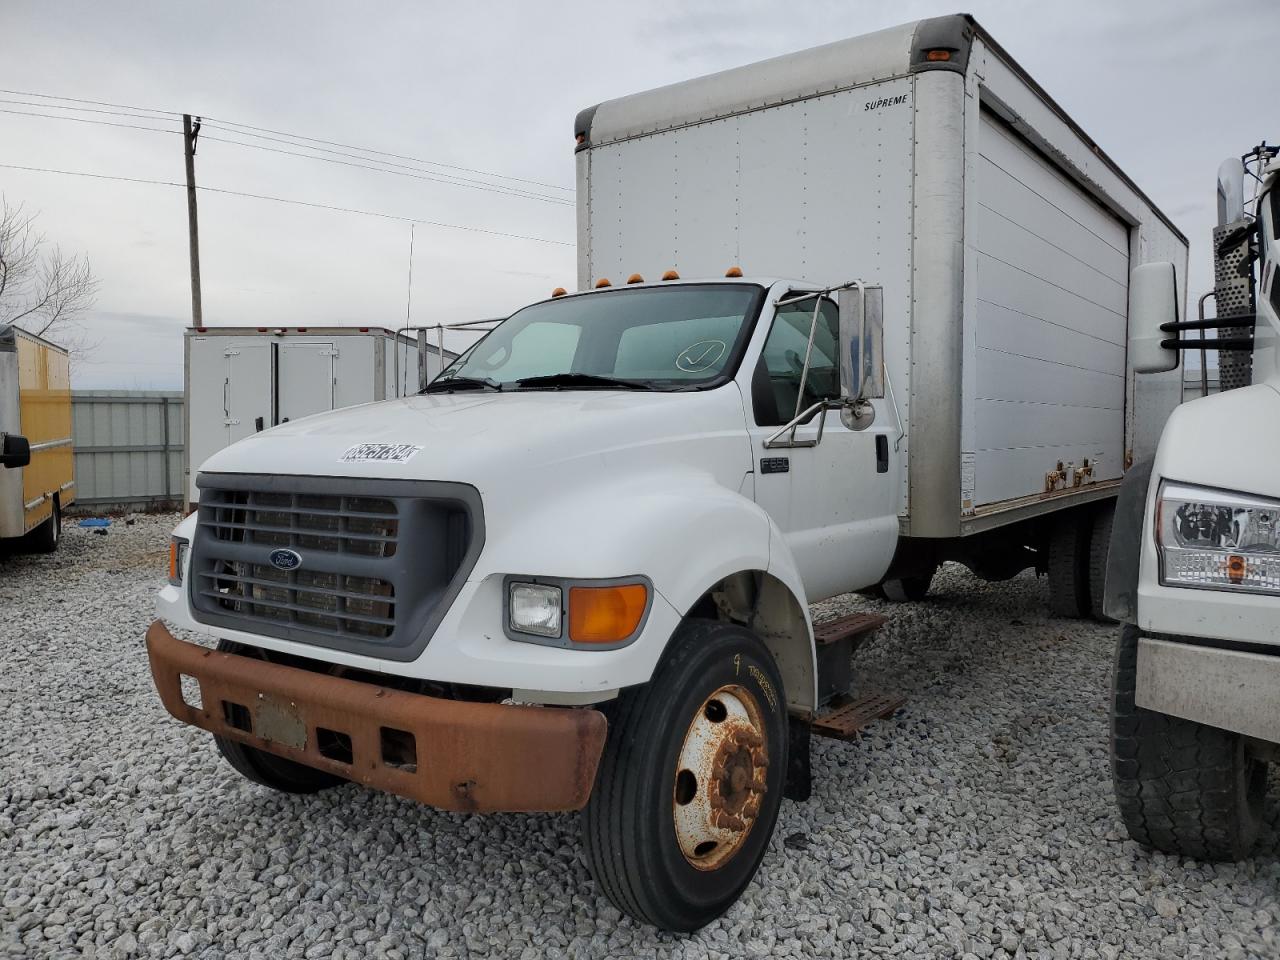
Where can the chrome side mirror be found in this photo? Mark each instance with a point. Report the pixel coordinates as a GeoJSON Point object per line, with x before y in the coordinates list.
{"type": "Point", "coordinates": [861, 342]}
{"type": "Point", "coordinates": [861, 352]}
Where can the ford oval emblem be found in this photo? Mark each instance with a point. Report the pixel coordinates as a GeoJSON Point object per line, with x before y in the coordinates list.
{"type": "Point", "coordinates": [285, 559]}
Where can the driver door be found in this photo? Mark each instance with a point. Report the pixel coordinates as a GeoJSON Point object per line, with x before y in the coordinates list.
{"type": "Point", "coordinates": [836, 502]}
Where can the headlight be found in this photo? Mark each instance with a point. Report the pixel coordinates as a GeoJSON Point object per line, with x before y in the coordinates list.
{"type": "Point", "coordinates": [177, 559]}
{"type": "Point", "coordinates": [535, 608]}
{"type": "Point", "coordinates": [1218, 540]}
{"type": "Point", "coordinates": [578, 614]}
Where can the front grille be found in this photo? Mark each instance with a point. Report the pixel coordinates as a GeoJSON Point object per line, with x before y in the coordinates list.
{"type": "Point", "coordinates": [333, 602]}
{"type": "Point", "coordinates": [358, 565]}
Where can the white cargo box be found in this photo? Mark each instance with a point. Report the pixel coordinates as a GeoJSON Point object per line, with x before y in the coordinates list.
{"type": "Point", "coordinates": [923, 159]}
{"type": "Point", "coordinates": [240, 380]}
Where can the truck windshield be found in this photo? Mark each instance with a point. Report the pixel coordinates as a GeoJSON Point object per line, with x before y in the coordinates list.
{"type": "Point", "coordinates": [652, 338]}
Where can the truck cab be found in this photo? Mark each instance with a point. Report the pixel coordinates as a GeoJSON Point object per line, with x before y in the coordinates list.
{"type": "Point", "coordinates": [1195, 574]}
{"type": "Point", "coordinates": [618, 504]}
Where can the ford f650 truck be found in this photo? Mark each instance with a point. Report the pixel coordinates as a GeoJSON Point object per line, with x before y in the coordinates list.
{"type": "Point", "coordinates": [842, 316]}
{"type": "Point", "coordinates": [1195, 575]}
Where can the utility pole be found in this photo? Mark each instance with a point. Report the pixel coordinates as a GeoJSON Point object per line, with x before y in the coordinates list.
{"type": "Point", "coordinates": [189, 133]}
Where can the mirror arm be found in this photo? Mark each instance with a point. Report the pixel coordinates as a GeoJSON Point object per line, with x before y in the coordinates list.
{"type": "Point", "coordinates": [808, 354]}
{"type": "Point", "coordinates": [800, 419]}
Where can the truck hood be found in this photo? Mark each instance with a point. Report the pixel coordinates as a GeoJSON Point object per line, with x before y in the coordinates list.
{"type": "Point", "coordinates": [477, 438]}
{"type": "Point", "coordinates": [1225, 441]}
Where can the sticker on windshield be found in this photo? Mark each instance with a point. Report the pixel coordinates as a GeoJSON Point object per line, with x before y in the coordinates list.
{"type": "Point", "coordinates": [701, 356]}
{"type": "Point", "coordinates": [379, 452]}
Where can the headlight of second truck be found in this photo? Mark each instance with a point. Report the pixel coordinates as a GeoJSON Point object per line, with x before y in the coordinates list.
{"type": "Point", "coordinates": [1218, 540]}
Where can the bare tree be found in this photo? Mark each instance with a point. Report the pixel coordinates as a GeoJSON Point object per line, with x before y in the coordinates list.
{"type": "Point", "coordinates": [41, 288]}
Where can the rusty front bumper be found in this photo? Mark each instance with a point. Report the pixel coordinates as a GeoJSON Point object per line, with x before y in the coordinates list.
{"type": "Point", "coordinates": [479, 757]}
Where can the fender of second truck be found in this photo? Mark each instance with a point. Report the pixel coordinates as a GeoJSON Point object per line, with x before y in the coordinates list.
{"type": "Point", "coordinates": [1219, 442]}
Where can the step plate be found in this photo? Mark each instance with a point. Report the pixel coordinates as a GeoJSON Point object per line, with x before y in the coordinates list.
{"type": "Point", "coordinates": [845, 722]}
{"type": "Point", "coordinates": [854, 625]}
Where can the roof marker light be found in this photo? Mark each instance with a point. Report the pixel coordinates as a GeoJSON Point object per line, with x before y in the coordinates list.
{"type": "Point", "coordinates": [558, 292]}
{"type": "Point", "coordinates": [635, 278]}
{"type": "Point", "coordinates": [671, 275]}
{"type": "Point", "coordinates": [733, 272]}
{"type": "Point", "coordinates": [603, 282]}
{"type": "Point", "coordinates": [936, 55]}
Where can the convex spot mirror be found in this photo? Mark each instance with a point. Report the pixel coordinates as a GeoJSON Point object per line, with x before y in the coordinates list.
{"type": "Point", "coordinates": [1153, 302]}
{"type": "Point", "coordinates": [15, 451]}
{"type": "Point", "coordinates": [861, 342]}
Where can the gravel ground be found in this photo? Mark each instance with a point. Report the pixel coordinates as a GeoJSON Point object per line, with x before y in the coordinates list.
{"type": "Point", "coordinates": [979, 822]}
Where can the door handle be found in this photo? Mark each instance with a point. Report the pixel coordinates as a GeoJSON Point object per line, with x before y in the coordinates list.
{"type": "Point", "coordinates": [882, 453]}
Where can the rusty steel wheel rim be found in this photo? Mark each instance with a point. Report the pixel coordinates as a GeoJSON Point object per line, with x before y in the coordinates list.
{"type": "Point", "coordinates": [720, 777]}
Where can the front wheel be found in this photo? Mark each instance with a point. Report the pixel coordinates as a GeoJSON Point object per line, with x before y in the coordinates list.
{"type": "Point", "coordinates": [691, 779]}
{"type": "Point", "coordinates": [1181, 787]}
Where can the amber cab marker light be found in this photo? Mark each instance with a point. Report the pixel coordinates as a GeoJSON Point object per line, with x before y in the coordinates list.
{"type": "Point", "coordinates": [733, 272]}
{"type": "Point", "coordinates": [936, 55]}
{"type": "Point", "coordinates": [671, 275]}
{"type": "Point", "coordinates": [558, 292]}
{"type": "Point", "coordinates": [603, 282]}
{"type": "Point", "coordinates": [635, 278]}
{"type": "Point", "coordinates": [606, 614]}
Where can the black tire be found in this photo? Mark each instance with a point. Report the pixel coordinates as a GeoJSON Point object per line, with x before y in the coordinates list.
{"type": "Point", "coordinates": [1182, 787]}
{"type": "Point", "coordinates": [628, 827]}
{"type": "Point", "coordinates": [265, 768]}
{"type": "Point", "coordinates": [1099, 550]}
{"type": "Point", "coordinates": [1069, 565]}
{"type": "Point", "coordinates": [904, 589]}
{"type": "Point", "coordinates": [46, 537]}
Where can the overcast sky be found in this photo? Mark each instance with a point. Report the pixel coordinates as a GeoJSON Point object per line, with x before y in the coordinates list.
{"type": "Point", "coordinates": [1167, 88]}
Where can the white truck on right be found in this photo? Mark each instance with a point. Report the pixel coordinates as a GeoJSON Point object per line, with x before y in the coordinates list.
{"type": "Point", "coordinates": [1194, 572]}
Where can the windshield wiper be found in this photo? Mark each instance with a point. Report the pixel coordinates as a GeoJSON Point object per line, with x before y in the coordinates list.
{"type": "Point", "coordinates": [461, 383]}
{"type": "Point", "coordinates": [587, 380]}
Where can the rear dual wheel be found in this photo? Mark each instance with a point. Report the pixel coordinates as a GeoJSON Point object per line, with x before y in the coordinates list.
{"type": "Point", "coordinates": [1079, 546]}
{"type": "Point", "coordinates": [691, 779]}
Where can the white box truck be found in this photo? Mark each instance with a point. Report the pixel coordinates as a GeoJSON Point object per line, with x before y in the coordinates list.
{"type": "Point", "coordinates": [842, 315]}
{"type": "Point", "coordinates": [242, 380]}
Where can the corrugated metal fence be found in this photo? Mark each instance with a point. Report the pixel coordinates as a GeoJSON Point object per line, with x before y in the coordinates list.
{"type": "Point", "coordinates": [128, 446]}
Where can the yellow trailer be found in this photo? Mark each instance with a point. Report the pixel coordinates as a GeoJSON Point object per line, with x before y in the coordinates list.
{"type": "Point", "coordinates": [37, 473]}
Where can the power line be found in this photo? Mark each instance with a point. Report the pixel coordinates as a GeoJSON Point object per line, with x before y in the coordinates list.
{"type": "Point", "coordinates": [100, 123]}
{"type": "Point", "coordinates": [294, 136]}
{"type": "Point", "coordinates": [96, 103]}
{"type": "Point", "coordinates": [287, 200]}
{"type": "Point", "coordinates": [215, 125]}
{"type": "Point", "coordinates": [383, 153]}
{"type": "Point", "coordinates": [58, 106]}
{"type": "Point", "coordinates": [470, 185]}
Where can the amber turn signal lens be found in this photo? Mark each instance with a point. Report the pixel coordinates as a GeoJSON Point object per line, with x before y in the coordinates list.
{"type": "Point", "coordinates": [1236, 568]}
{"type": "Point", "coordinates": [606, 614]}
{"type": "Point", "coordinates": [936, 55]}
{"type": "Point", "coordinates": [173, 560]}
